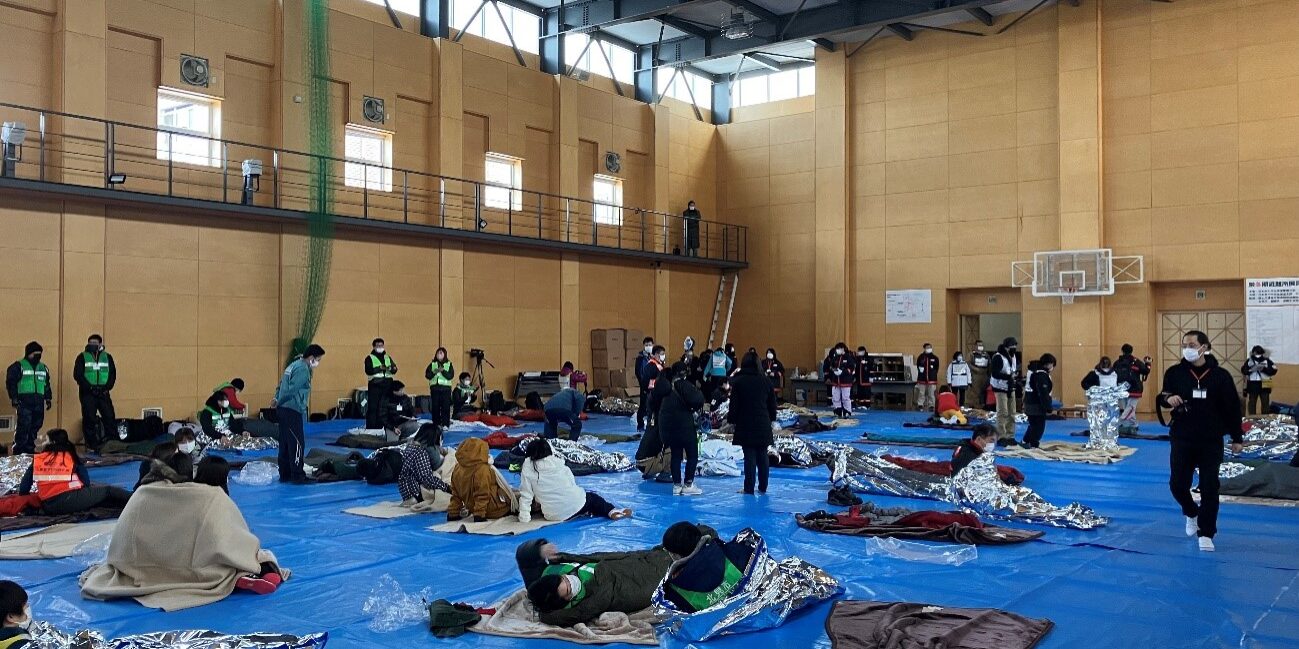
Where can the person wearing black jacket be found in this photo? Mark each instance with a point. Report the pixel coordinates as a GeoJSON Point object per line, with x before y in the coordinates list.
{"type": "Point", "coordinates": [862, 388]}
{"type": "Point", "coordinates": [647, 374]}
{"type": "Point", "coordinates": [1258, 371]}
{"type": "Point", "coordinates": [28, 383]}
{"type": "Point", "coordinates": [379, 370]}
{"type": "Point", "coordinates": [982, 439]}
{"type": "Point", "coordinates": [95, 374]}
{"type": "Point", "coordinates": [216, 416]}
{"type": "Point", "coordinates": [1037, 400]}
{"type": "Point", "coordinates": [774, 370]}
{"type": "Point", "coordinates": [1205, 407]}
{"type": "Point", "coordinates": [398, 408]}
{"type": "Point", "coordinates": [839, 371]}
{"type": "Point", "coordinates": [678, 401]}
{"type": "Point", "coordinates": [441, 375]}
{"type": "Point", "coordinates": [1135, 372]}
{"type": "Point", "coordinates": [752, 412]}
{"type": "Point", "coordinates": [927, 365]}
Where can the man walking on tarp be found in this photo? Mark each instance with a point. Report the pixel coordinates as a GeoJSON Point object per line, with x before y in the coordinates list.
{"type": "Point", "coordinates": [379, 368]}
{"type": "Point", "coordinates": [28, 384]}
{"type": "Point", "coordinates": [292, 399]}
{"type": "Point", "coordinates": [96, 374]}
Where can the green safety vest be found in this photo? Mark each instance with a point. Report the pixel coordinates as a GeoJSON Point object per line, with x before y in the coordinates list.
{"type": "Point", "coordinates": [96, 371]}
{"type": "Point", "coordinates": [584, 572]}
{"type": "Point", "coordinates": [439, 381]}
{"type": "Point", "coordinates": [220, 420]}
{"type": "Point", "coordinates": [705, 600]}
{"type": "Point", "coordinates": [35, 379]}
{"type": "Point", "coordinates": [222, 387]}
{"type": "Point", "coordinates": [386, 364]}
{"type": "Point", "coordinates": [13, 642]}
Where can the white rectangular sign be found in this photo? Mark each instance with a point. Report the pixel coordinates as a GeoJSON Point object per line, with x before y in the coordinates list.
{"type": "Point", "coordinates": [1272, 317]}
{"type": "Point", "coordinates": [908, 307]}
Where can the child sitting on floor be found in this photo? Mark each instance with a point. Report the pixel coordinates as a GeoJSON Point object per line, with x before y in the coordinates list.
{"type": "Point", "coordinates": [546, 479]}
{"type": "Point", "coordinates": [477, 488]}
{"type": "Point", "coordinates": [983, 439]}
{"type": "Point", "coordinates": [705, 570]}
{"type": "Point", "coordinates": [948, 408]}
{"type": "Point", "coordinates": [15, 616]}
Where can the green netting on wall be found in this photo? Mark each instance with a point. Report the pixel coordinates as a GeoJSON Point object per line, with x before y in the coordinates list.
{"type": "Point", "coordinates": [320, 131]}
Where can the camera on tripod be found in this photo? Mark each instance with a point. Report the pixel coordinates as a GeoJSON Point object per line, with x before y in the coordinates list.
{"type": "Point", "coordinates": [477, 353]}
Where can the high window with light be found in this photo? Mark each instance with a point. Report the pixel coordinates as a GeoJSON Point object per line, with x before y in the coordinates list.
{"type": "Point", "coordinates": [504, 176]}
{"type": "Point", "coordinates": [369, 159]}
{"type": "Point", "coordinates": [523, 26]}
{"type": "Point", "coordinates": [776, 86]}
{"type": "Point", "coordinates": [189, 126]}
{"type": "Point", "coordinates": [608, 200]}
{"type": "Point", "coordinates": [404, 6]}
{"type": "Point", "coordinates": [682, 84]}
{"type": "Point", "coordinates": [577, 54]}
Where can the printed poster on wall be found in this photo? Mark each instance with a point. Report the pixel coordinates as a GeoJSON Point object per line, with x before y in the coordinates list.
{"type": "Point", "coordinates": [908, 307]}
{"type": "Point", "coordinates": [1272, 316]}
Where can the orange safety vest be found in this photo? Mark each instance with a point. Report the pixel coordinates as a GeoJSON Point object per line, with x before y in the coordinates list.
{"type": "Point", "coordinates": [54, 474]}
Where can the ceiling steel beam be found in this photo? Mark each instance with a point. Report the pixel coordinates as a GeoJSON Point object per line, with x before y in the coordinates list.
{"type": "Point", "coordinates": [901, 30]}
{"type": "Point", "coordinates": [766, 62]}
{"type": "Point", "coordinates": [982, 15]}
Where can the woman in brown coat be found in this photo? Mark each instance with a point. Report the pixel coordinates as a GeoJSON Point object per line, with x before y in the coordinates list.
{"type": "Point", "coordinates": [475, 489]}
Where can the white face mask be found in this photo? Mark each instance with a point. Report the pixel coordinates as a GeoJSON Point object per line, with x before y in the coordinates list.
{"type": "Point", "coordinates": [978, 348]}
{"type": "Point", "coordinates": [187, 447]}
{"type": "Point", "coordinates": [649, 348]}
{"type": "Point", "coordinates": [929, 350]}
{"type": "Point", "coordinates": [314, 363]}
{"type": "Point", "coordinates": [991, 448]}
{"type": "Point", "coordinates": [662, 357]}
{"type": "Point", "coordinates": [224, 404]}
{"type": "Point", "coordinates": [960, 359]}
{"type": "Point", "coordinates": [26, 624]}
{"type": "Point", "coordinates": [839, 352]}
{"type": "Point", "coordinates": [378, 350]}
{"type": "Point", "coordinates": [1191, 355]}
{"type": "Point", "coordinates": [574, 586]}
{"type": "Point", "coordinates": [465, 383]}
{"type": "Point", "coordinates": [771, 356]}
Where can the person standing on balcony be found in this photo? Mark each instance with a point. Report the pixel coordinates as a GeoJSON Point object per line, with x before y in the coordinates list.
{"type": "Point", "coordinates": [690, 219]}
{"type": "Point", "coordinates": [380, 368]}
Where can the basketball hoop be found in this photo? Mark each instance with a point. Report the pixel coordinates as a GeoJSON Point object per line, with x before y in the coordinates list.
{"type": "Point", "coordinates": [1067, 296]}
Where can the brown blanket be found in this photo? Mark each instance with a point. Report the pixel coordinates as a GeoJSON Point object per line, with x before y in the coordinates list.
{"type": "Point", "coordinates": [882, 524]}
{"type": "Point", "coordinates": [902, 625]}
{"type": "Point", "coordinates": [12, 523]}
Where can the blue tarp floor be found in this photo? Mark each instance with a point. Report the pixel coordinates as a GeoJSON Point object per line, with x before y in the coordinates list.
{"type": "Point", "coordinates": [1137, 583]}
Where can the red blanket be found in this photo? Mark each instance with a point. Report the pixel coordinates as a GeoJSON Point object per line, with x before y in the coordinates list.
{"type": "Point", "coordinates": [490, 420]}
{"type": "Point", "coordinates": [537, 415]}
{"type": "Point", "coordinates": [14, 505]}
{"type": "Point", "coordinates": [501, 441]}
{"type": "Point", "coordinates": [1009, 474]}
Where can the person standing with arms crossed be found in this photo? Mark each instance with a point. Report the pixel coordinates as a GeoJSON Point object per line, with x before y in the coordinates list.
{"type": "Point", "coordinates": [1205, 407]}
{"type": "Point", "coordinates": [380, 368]}
{"type": "Point", "coordinates": [291, 406]}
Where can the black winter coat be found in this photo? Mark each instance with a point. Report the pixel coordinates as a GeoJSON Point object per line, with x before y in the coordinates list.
{"type": "Point", "coordinates": [1037, 399]}
{"type": "Point", "coordinates": [1202, 420]}
{"type": "Point", "coordinates": [753, 408]}
{"type": "Point", "coordinates": [678, 401]}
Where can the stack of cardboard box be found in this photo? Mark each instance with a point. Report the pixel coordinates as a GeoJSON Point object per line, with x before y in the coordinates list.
{"type": "Point", "coordinates": [613, 361]}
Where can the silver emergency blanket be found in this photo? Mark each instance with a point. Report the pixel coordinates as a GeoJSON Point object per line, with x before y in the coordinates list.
{"type": "Point", "coordinates": [1103, 411]}
{"type": "Point", "coordinates": [1233, 469]}
{"type": "Point", "coordinates": [769, 592]}
{"type": "Point", "coordinates": [798, 451]}
{"type": "Point", "coordinates": [978, 487]}
{"type": "Point", "coordinates": [244, 442]}
{"type": "Point", "coordinates": [12, 470]}
{"type": "Point", "coordinates": [618, 406]}
{"type": "Point", "coordinates": [1269, 438]}
{"type": "Point", "coordinates": [578, 453]}
{"type": "Point", "coordinates": [717, 418]}
{"type": "Point", "coordinates": [45, 636]}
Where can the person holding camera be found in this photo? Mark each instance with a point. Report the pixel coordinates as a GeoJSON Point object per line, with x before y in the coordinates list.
{"type": "Point", "coordinates": [1205, 407]}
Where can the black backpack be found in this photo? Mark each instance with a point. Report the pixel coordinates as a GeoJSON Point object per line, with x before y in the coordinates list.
{"type": "Point", "coordinates": [533, 401]}
{"type": "Point", "coordinates": [382, 468]}
{"type": "Point", "coordinates": [496, 402]}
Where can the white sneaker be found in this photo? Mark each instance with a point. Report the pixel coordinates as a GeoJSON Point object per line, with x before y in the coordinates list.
{"type": "Point", "coordinates": [676, 490]}
{"type": "Point", "coordinates": [691, 490]}
{"type": "Point", "coordinates": [1206, 544]}
{"type": "Point", "coordinates": [1192, 527]}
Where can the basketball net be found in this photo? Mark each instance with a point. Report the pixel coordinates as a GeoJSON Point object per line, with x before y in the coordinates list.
{"type": "Point", "coordinates": [1067, 297]}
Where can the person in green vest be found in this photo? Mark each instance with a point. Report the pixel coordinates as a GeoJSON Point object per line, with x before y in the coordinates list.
{"type": "Point", "coordinates": [705, 570]}
{"type": "Point", "coordinates": [216, 415]}
{"type": "Point", "coordinates": [441, 375]}
{"type": "Point", "coordinates": [569, 593]}
{"type": "Point", "coordinates": [28, 384]}
{"type": "Point", "coordinates": [96, 374]}
{"type": "Point", "coordinates": [379, 368]}
{"type": "Point", "coordinates": [464, 395]}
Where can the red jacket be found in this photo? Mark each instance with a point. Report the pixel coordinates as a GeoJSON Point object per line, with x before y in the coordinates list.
{"type": "Point", "coordinates": [233, 394]}
{"type": "Point", "coordinates": [946, 401]}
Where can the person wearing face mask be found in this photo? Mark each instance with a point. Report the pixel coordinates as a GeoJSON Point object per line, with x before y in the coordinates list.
{"type": "Point", "coordinates": [232, 388]}
{"type": "Point", "coordinates": [980, 361]}
{"type": "Point", "coordinates": [1258, 371]}
{"type": "Point", "coordinates": [1134, 372]}
{"type": "Point", "coordinates": [464, 396]}
{"type": "Point", "coordinates": [95, 374]}
{"type": "Point", "coordinates": [166, 464]}
{"type": "Point", "coordinates": [28, 383]}
{"type": "Point", "coordinates": [927, 365]}
{"type": "Point", "coordinates": [648, 366]}
{"type": "Point", "coordinates": [1003, 374]}
{"type": "Point", "coordinates": [216, 415]}
{"type": "Point", "coordinates": [774, 370]}
{"type": "Point", "coordinates": [862, 386]}
{"type": "Point", "coordinates": [575, 589]}
{"type": "Point", "coordinates": [185, 443]}
{"type": "Point", "coordinates": [690, 218]}
{"type": "Point", "coordinates": [291, 399]}
{"type": "Point", "coordinates": [753, 414]}
{"type": "Point", "coordinates": [59, 477]}
{"type": "Point", "coordinates": [983, 439]}
{"type": "Point", "coordinates": [379, 368]}
{"type": "Point", "coordinates": [15, 616]}
{"type": "Point", "coordinates": [958, 376]}
{"type": "Point", "coordinates": [441, 375]}
{"type": "Point", "coordinates": [1037, 400]}
{"type": "Point", "coordinates": [1102, 376]}
{"type": "Point", "coordinates": [839, 372]}
{"type": "Point", "coordinates": [1206, 406]}
{"type": "Point", "coordinates": [688, 357]}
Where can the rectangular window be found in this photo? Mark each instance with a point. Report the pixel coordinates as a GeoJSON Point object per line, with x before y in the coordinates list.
{"type": "Point", "coordinates": [775, 86]}
{"type": "Point", "coordinates": [504, 176]}
{"type": "Point", "coordinates": [523, 26]}
{"type": "Point", "coordinates": [578, 55]}
{"type": "Point", "coordinates": [190, 126]}
{"type": "Point", "coordinates": [369, 158]}
{"type": "Point", "coordinates": [608, 200]}
{"type": "Point", "coordinates": [682, 84]}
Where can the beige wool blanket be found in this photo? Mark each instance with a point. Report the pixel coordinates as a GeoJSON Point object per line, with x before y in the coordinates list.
{"type": "Point", "coordinates": [515, 618]}
{"type": "Point", "coordinates": [1067, 452]}
{"type": "Point", "coordinates": [176, 546]}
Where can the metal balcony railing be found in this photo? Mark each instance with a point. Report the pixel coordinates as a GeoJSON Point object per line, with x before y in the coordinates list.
{"type": "Point", "coordinates": [128, 158]}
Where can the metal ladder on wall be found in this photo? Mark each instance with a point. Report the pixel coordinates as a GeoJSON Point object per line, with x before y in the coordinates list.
{"type": "Point", "coordinates": [733, 280]}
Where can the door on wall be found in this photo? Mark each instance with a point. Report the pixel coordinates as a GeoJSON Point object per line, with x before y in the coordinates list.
{"type": "Point", "coordinates": [1226, 331]}
{"type": "Point", "coordinates": [969, 332]}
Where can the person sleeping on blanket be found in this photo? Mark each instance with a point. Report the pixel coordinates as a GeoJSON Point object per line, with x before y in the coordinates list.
{"type": "Point", "coordinates": [983, 439]}
{"type": "Point", "coordinates": [705, 569]}
{"type": "Point", "coordinates": [546, 480]}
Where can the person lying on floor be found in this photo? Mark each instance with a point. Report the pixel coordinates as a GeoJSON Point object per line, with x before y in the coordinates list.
{"type": "Point", "coordinates": [178, 546]}
{"type": "Point", "coordinates": [216, 415]}
{"type": "Point", "coordinates": [982, 439]}
{"type": "Point", "coordinates": [533, 557]}
{"type": "Point", "coordinates": [165, 464]}
{"type": "Point", "coordinates": [576, 589]}
{"type": "Point", "coordinates": [59, 477]}
{"type": "Point", "coordinates": [948, 408]}
{"type": "Point", "coordinates": [546, 480]}
{"type": "Point", "coordinates": [477, 488]}
{"type": "Point", "coordinates": [705, 570]}
{"type": "Point", "coordinates": [420, 460]}
{"type": "Point", "coordinates": [399, 408]}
